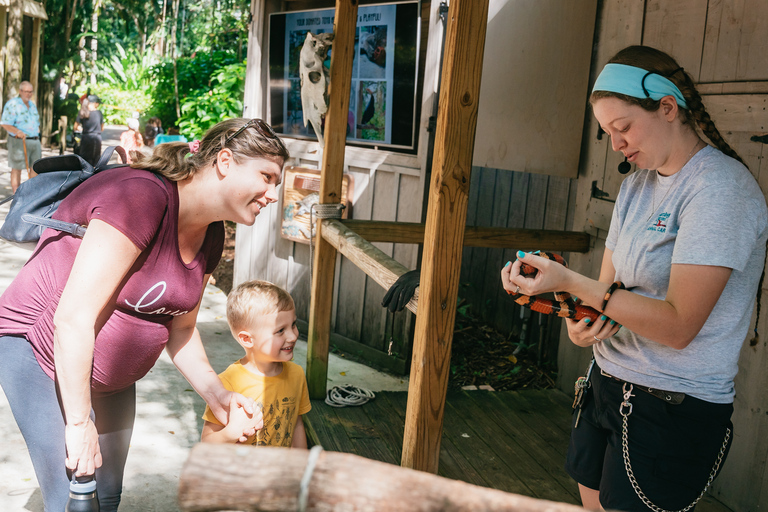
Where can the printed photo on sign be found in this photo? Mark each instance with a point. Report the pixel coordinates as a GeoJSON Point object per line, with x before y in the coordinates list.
{"type": "Point", "coordinates": [373, 51]}
{"type": "Point", "coordinates": [383, 82]}
{"type": "Point", "coordinates": [372, 111]}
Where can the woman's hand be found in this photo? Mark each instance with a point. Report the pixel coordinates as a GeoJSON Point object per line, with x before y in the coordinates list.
{"type": "Point", "coordinates": [586, 333]}
{"type": "Point", "coordinates": [242, 424]}
{"type": "Point", "coordinates": [83, 451]}
{"type": "Point", "coordinates": [234, 407]}
{"type": "Point", "coordinates": [551, 276]}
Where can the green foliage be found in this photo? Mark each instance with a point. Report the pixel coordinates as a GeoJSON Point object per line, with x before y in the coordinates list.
{"type": "Point", "coordinates": [195, 77]}
{"type": "Point", "coordinates": [223, 101]}
{"type": "Point", "coordinates": [122, 85]}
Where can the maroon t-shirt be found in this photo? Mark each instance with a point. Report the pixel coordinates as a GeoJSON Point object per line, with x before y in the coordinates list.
{"type": "Point", "coordinates": [159, 287]}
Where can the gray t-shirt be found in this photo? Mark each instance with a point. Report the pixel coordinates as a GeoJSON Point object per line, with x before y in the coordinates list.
{"type": "Point", "coordinates": [712, 212]}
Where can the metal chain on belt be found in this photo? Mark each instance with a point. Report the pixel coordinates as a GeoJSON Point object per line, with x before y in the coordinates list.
{"type": "Point", "coordinates": [625, 409]}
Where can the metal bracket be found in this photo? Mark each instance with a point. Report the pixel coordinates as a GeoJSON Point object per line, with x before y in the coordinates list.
{"type": "Point", "coordinates": [600, 194]}
{"type": "Point", "coordinates": [443, 10]}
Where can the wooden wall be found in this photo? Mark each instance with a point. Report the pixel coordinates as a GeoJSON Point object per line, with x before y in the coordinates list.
{"type": "Point", "coordinates": [501, 198]}
{"type": "Point", "coordinates": [724, 45]}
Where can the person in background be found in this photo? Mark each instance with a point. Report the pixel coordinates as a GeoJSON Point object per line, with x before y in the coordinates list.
{"type": "Point", "coordinates": [85, 319]}
{"type": "Point", "coordinates": [688, 241]}
{"type": "Point", "coordinates": [131, 139]}
{"type": "Point", "coordinates": [262, 318]}
{"type": "Point", "coordinates": [172, 136]}
{"type": "Point", "coordinates": [91, 121]}
{"type": "Point", "coordinates": [153, 128]}
{"type": "Point", "coordinates": [22, 122]}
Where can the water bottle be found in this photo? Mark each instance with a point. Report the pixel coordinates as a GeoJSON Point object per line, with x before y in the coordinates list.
{"type": "Point", "coordinates": [82, 495]}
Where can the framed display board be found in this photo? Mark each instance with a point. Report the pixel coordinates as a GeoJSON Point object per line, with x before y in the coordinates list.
{"type": "Point", "coordinates": [301, 189]}
{"type": "Point", "coordinates": [382, 99]}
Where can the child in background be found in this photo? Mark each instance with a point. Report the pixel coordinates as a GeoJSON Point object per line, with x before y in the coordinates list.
{"type": "Point", "coordinates": [131, 139]}
{"type": "Point", "coordinates": [262, 318]}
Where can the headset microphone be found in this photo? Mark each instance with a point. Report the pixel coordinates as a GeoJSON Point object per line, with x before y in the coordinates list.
{"type": "Point", "coordinates": [624, 167]}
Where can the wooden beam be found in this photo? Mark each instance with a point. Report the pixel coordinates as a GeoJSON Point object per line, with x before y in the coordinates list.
{"type": "Point", "coordinates": [446, 218]}
{"type": "Point", "coordinates": [342, 57]}
{"type": "Point", "coordinates": [370, 259]}
{"type": "Point", "coordinates": [475, 236]}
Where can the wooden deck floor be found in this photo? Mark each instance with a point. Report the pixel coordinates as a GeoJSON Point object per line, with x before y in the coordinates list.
{"type": "Point", "coordinates": [507, 440]}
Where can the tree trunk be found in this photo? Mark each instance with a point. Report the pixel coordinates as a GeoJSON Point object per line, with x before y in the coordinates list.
{"type": "Point", "coordinates": [45, 107]}
{"type": "Point", "coordinates": [94, 41]}
{"type": "Point", "coordinates": [239, 477]}
{"type": "Point", "coordinates": [13, 50]}
{"type": "Point", "coordinates": [173, 57]}
{"type": "Point", "coordinates": [162, 30]}
{"type": "Point", "coordinates": [71, 12]}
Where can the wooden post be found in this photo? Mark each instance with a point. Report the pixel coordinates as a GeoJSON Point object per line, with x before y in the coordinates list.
{"type": "Point", "coordinates": [34, 63]}
{"type": "Point", "coordinates": [254, 68]}
{"type": "Point", "coordinates": [446, 216]}
{"type": "Point", "coordinates": [345, 23]}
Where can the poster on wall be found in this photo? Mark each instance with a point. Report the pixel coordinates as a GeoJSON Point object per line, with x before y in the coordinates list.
{"type": "Point", "coordinates": [382, 89]}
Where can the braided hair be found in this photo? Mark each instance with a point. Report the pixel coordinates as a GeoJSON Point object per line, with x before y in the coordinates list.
{"type": "Point", "coordinates": [175, 160]}
{"type": "Point", "coordinates": [695, 116]}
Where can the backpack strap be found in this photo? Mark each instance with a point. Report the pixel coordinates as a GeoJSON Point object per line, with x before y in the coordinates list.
{"type": "Point", "coordinates": [59, 225]}
{"type": "Point", "coordinates": [107, 155]}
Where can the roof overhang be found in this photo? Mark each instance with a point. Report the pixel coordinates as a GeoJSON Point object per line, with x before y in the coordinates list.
{"type": "Point", "coordinates": [31, 8]}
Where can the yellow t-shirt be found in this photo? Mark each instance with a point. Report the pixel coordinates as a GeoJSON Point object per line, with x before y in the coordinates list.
{"type": "Point", "coordinates": [282, 399]}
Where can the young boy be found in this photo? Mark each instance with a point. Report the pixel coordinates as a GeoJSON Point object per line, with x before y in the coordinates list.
{"type": "Point", "coordinates": [262, 318]}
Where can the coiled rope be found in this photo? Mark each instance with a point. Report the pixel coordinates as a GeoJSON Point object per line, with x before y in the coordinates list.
{"type": "Point", "coordinates": [343, 396]}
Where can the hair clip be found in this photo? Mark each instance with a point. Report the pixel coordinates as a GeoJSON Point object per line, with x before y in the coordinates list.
{"type": "Point", "coordinates": [194, 146]}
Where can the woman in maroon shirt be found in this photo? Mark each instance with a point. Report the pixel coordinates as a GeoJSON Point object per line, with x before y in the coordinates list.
{"type": "Point", "coordinates": [85, 319]}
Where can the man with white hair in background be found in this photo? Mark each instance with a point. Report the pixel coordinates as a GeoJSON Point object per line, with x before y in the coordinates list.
{"type": "Point", "coordinates": [22, 122]}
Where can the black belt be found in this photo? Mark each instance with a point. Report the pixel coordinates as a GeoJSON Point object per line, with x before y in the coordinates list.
{"type": "Point", "coordinates": [670, 397]}
{"type": "Point", "coordinates": [27, 137]}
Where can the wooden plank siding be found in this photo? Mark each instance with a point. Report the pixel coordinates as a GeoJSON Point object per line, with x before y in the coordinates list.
{"type": "Point", "coordinates": [500, 198]}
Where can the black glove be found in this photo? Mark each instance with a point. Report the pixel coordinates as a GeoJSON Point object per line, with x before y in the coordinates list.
{"type": "Point", "coordinates": [400, 293]}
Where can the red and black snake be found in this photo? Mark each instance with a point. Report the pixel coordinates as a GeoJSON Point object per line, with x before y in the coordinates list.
{"type": "Point", "coordinates": [563, 305]}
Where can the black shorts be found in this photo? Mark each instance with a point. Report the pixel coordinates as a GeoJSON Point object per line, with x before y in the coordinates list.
{"type": "Point", "coordinates": [672, 448]}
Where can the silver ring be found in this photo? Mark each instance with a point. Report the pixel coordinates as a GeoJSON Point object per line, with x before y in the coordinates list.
{"type": "Point", "coordinates": [517, 290]}
{"type": "Point", "coordinates": [597, 339]}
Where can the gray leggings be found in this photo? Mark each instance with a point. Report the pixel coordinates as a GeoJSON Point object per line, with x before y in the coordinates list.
{"type": "Point", "coordinates": [34, 400]}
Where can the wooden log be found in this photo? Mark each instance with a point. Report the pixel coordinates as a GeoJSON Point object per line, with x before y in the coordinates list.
{"type": "Point", "coordinates": [370, 259]}
{"type": "Point", "coordinates": [475, 236]}
{"type": "Point", "coordinates": [446, 219]}
{"type": "Point", "coordinates": [233, 477]}
{"type": "Point", "coordinates": [320, 309]}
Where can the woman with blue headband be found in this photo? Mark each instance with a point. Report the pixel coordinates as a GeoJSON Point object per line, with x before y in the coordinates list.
{"type": "Point", "coordinates": [677, 287]}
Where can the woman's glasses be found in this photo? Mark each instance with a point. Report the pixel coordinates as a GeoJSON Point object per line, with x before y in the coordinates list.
{"type": "Point", "coordinates": [262, 127]}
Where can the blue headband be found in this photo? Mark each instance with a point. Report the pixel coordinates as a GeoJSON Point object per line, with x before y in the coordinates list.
{"type": "Point", "coordinates": [638, 83]}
